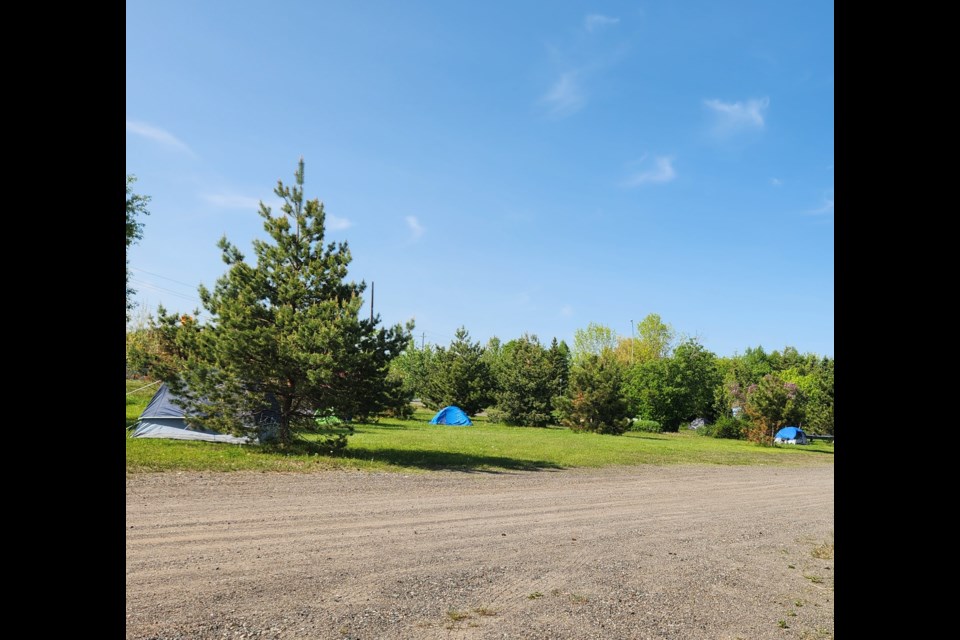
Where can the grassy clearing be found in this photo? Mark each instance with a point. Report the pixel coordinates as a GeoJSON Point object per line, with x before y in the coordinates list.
{"type": "Point", "coordinates": [414, 445]}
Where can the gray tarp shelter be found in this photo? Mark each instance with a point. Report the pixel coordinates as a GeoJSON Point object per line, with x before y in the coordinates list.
{"type": "Point", "coordinates": [164, 419]}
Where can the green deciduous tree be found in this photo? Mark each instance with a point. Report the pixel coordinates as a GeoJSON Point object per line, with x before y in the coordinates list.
{"type": "Point", "coordinates": [136, 206]}
{"type": "Point", "coordinates": [158, 346]}
{"type": "Point", "coordinates": [593, 401]}
{"type": "Point", "coordinates": [653, 341]}
{"type": "Point", "coordinates": [655, 337]}
{"type": "Point", "coordinates": [674, 390]}
{"type": "Point", "coordinates": [771, 404]}
{"type": "Point", "coordinates": [596, 340]}
{"type": "Point", "coordinates": [460, 376]}
{"type": "Point", "coordinates": [287, 327]}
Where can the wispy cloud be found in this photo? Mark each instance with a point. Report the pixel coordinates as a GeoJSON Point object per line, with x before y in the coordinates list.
{"type": "Point", "coordinates": [596, 21]}
{"type": "Point", "coordinates": [415, 227]}
{"type": "Point", "coordinates": [157, 135]}
{"type": "Point", "coordinates": [335, 223]}
{"type": "Point", "coordinates": [566, 96]}
{"type": "Point", "coordinates": [566, 311]}
{"type": "Point", "coordinates": [776, 182]}
{"type": "Point", "coordinates": [580, 63]}
{"type": "Point", "coordinates": [825, 207]}
{"type": "Point", "coordinates": [737, 116]}
{"type": "Point", "coordinates": [663, 171]}
{"type": "Point", "coordinates": [231, 201]}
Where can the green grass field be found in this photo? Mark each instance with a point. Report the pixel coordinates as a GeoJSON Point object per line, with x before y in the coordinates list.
{"type": "Point", "coordinates": [414, 445]}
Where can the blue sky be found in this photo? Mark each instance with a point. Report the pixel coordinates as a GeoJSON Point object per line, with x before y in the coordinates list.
{"type": "Point", "coordinates": [512, 167]}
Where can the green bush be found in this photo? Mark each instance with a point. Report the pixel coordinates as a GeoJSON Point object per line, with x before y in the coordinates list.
{"type": "Point", "coordinates": [647, 426]}
{"type": "Point", "coordinates": [496, 416]}
{"type": "Point", "coordinates": [325, 418]}
{"type": "Point", "coordinates": [725, 427]}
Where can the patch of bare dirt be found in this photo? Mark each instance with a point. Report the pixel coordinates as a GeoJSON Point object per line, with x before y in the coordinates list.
{"type": "Point", "coordinates": [640, 552]}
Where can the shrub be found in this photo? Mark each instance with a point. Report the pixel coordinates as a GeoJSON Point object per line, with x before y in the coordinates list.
{"type": "Point", "coordinates": [647, 426]}
{"type": "Point", "coordinates": [326, 418]}
{"type": "Point", "coordinates": [725, 427]}
{"type": "Point", "coordinates": [496, 416]}
{"type": "Point", "coordinates": [593, 401]}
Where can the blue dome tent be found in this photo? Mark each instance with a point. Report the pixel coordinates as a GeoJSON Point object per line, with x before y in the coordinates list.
{"type": "Point", "coordinates": [790, 435]}
{"type": "Point", "coordinates": [451, 415]}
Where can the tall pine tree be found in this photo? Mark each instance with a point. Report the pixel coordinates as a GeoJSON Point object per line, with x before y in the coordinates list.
{"type": "Point", "coordinates": [287, 327]}
{"type": "Point", "coordinates": [525, 383]}
{"type": "Point", "coordinates": [459, 376]}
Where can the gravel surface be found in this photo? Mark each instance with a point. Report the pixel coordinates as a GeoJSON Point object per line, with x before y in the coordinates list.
{"type": "Point", "coordinates": [638, 552]}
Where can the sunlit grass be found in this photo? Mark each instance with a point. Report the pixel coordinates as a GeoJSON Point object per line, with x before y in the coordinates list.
{"type": "Point", "coordinates": [412, 445]}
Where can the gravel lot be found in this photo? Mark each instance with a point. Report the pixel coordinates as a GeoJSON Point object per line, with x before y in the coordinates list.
{"type": "Point", "coordinates": [638, 552]}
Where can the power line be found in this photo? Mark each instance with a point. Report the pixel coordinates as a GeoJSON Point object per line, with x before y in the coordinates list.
{"type": "Point", "coordinates": [164, 277]}
{"type": "Point", "coordinates": [153, 287]}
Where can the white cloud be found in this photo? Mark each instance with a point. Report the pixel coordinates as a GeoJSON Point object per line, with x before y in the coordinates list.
{"type": "Point", "coordinates": [662, 172]}
{"type": "Point", "coordinates": [333, 223]}
{"type": "Point", "coordinates": [734, 116]}
{"type": "Point", "coordinates": [776, 182]}
{"type": "Point", "coordinates": [565, 97]}
{"type": "Point", "coordinates": [596, 21]}
{"type": "Point", "coordinates": [415, 227]}
{"type": "Point", "coordinates": [825, 207]}
{"type": "Point", "coordinates": [566, 311]}
{"type": "Point", "coordinates": [157, 135]}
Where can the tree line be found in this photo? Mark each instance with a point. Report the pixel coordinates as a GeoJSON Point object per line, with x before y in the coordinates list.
{"type": "Point", "coordinates": [285, 333]}
{"type": "Point", "coordinates": [609, 383]}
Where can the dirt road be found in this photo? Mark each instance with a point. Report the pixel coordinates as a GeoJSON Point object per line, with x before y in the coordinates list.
{"type": "Point", "coordinates": [640, 552]}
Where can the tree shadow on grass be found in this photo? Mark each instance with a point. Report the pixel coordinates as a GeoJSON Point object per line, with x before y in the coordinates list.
{"type": "Point", "coordinates": [447, 460]}
{"type": "Point", "coordinates": [639, 435]}
{"type": "Point", "coordinates": [815, 451]}
{"type": "Point", "coordinates": [380, 425]}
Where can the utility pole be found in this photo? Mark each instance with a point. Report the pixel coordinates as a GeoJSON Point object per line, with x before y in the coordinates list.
{"type": "Point", "coordinates": [423, 336]}
{"type": "Point", "coordinates": [372, 285]}
{"type": "Point", "coordinates": [632, 341]}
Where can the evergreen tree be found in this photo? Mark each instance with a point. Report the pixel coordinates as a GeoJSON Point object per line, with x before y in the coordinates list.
{"type": "Point", "coordinates": [412, 366]}
{"type": "Point", "coordinates": [593, 401]}
{"type": "Point", "coordinates": [819, 402]}
{"type": "Point", "coordinates": [525, 383]}
{"type": "Point", "coordinates": [460, 376]}
{"type": "Point", "coordinates": [559, 355]}
{"type": "Point", "coordinates": [287, 327]}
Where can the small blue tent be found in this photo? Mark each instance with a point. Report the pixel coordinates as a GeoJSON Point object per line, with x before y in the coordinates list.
{"type": "Point", "coordinates": [790, 435]}
{"type": "Point", "coordinates": [451, 415]}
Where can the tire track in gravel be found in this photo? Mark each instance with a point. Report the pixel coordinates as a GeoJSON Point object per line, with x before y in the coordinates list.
{"type": "Point", "coordinates": [335, 555]}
